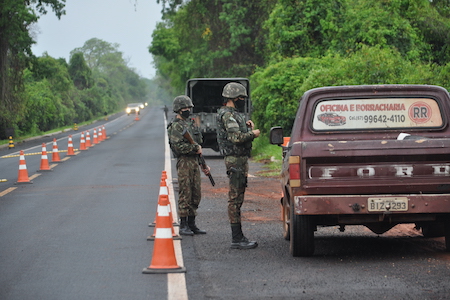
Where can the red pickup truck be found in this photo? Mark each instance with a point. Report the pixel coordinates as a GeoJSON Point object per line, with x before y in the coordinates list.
{"type": "Point", "coordinates": [385, 163]}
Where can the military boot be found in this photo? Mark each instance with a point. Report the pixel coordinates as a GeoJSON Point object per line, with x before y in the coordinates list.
{"type": "Point", "coordinates": [193, 227]}
{"type": "Point", "coordinates": [239, 241]}
{"type": "Point", "coordinates": [184, 227]}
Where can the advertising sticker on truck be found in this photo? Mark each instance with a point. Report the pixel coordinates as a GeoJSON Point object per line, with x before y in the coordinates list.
{"type": "Point", "coordinates": [377, 113]}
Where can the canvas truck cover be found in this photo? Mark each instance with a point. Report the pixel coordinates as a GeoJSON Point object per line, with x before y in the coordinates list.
{"type": "Point", "coordinates": [206, 95]}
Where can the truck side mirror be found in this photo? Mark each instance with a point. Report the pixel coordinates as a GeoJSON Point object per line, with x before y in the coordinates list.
{"type": "Point", "coordinates": [276, 136]}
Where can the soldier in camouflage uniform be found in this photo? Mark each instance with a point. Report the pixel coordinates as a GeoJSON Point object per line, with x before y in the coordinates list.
{"type": "Point", "coordinates": [235, 136]}
{"type": "Point", "coordinates": [189, 193]}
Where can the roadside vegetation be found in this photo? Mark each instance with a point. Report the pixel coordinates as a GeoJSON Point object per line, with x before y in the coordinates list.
{"type": "Point", "coordinates": [39, 94]}
{"type": "Point", "coordinates": [285, 47]}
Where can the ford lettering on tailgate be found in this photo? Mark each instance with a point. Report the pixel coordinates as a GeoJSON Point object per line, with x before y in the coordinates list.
{"type": "Point", "coordinates": [379, 171]}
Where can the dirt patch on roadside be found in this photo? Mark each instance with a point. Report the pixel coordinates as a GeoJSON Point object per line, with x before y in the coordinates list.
{"type": "Point", "coordinates": [262, 197]}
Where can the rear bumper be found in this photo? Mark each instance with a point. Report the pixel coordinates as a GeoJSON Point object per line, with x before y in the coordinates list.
{"type": "Point", "coordinates": [358, 204]}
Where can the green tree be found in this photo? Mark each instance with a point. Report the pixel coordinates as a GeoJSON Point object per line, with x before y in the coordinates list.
{"type": "Point", "coordinates": [79, 71]}
{"type": "Point", "coordinates": [313, 43]}
{"type": "Point", "coordinates": [16, 17]}
{"type": "Point", "coordinates": [52, 106]}
{"type": "Point", "coordinates": [116, 83]}
{"type": "Point", "coordinates": [217, 38]}
{"type": "Point", "coordinates": [94, 50]}
{"type": "Point", "coordinates": [302, 28]}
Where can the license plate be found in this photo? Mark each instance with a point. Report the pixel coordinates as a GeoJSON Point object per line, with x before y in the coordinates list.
{"type": "Point", "coordinates": [388, 204]}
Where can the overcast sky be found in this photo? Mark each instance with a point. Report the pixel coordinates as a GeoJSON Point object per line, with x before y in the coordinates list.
{"type": "Point", "coordinates": [129, 23]}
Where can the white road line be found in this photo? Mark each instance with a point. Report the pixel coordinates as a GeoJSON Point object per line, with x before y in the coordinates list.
{"type": "Point", "coordinates": [176, 282]}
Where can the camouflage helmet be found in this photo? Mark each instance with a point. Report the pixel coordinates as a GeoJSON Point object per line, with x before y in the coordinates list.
{"type": "Point", "coordinates": [181, 102]}
{"type": "Point", "coordinates": [233, 90]}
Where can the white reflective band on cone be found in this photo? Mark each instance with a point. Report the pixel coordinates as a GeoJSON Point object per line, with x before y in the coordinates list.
{"type": "Point", "coordinates": [163, 211]}
{"type": "Point", "coordinates": [163, 190]}
{"type": "Point", "coordinates": [22, 167]}
{"type": "Point", "coordinates": [163, 233]}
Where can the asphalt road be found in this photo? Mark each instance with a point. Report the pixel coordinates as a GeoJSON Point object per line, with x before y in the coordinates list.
{"type": "Point", "coordinates": [79, 232]}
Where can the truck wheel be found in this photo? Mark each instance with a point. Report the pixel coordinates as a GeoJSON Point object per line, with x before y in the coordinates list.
{"type": "Point", "coordinates": [286, 219]}
{"type": "Point", "coordinates": [302, 235]}
{"type": "Point", "coordinates": [447, 235]}
{"type": "Point", "coordinates": [432, 230]}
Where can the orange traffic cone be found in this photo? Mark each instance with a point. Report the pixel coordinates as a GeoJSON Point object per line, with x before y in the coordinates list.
{"type": "Point", "coordinates": [164, 175]}
{"type": "Point", "coordinates": [164, 260]}
{"type": "Point", "coordinates": [55, 154]}
{"type": "Point", "coordinates": [88, 139]}
{"type": "Point", "coordinates": [44, 159]}
{"type": "Point", "coordinates": [175, 236]}
{"type": "Point", "coordinates": [104, 132]}
{"type": "Point", "coordinates": [82, 142]}
{"type": "Point", "coordinates": [137, 117]}
{"type": "Point", "coordinates": [23, 172]}
{"type": "Point", "coordinates": [100, 135]}
{"type": "Point", "coordinates": [163, 190]}
{"type": "Point", "coordinates": [95, 136]}
{"type": "Point", "coordinates": [70, 146]}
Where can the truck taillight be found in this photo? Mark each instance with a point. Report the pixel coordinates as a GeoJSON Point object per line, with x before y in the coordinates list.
{"type": "Point", "coordinates": [294, 171]}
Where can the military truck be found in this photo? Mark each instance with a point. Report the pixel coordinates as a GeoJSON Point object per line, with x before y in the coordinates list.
{"type": "Point", "coordinates": [383, 161]}
{"type": "Point", "coordinates": [206, 95]}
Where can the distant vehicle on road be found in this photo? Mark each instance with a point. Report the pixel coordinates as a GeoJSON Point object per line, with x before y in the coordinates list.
{"type": "Point", "coordinates": [134, 108]}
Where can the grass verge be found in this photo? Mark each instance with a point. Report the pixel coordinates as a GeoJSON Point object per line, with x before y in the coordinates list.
{"type": "Point", "coordinates": [269, 155]}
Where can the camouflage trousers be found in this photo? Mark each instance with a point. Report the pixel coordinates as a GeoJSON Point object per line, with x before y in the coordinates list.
{"type": "Point", "coordinates": [237, 170]}
{"type": "Point", "coordinates": [189, 186]}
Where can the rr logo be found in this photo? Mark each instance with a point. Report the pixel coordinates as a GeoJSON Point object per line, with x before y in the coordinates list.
{"type": "Point", "coordinates": [420, 112]}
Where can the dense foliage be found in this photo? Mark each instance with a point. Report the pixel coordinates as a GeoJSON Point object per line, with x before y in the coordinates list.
{"type": "Point", "coordinates": [284, 46]}
{"type": "Point", "coordinates": [57, 93]}
{"type": "Point", "coordinates": [289, 46]}
{"type": "Point", "coordinates": [214, 38]}
{"type": "Point", "coordinates": [16, 18]}
{"type": "Point", "coordinates": [43, 93]}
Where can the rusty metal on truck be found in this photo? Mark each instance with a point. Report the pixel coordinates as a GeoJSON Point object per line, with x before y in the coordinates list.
{"type": "Point", "coordinates": [372, 155]}
{"type": "Point", "coordinates": [206, 95]}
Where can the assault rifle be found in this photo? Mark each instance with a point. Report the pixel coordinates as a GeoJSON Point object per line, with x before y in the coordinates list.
{"type": "Point", "coordinates": [201, 160]}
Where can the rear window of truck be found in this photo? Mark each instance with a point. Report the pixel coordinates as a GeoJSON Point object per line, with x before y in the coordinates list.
{"type": "Point", "coordinates": [377, 113]}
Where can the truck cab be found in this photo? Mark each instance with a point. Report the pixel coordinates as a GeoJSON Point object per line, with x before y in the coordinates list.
{"type": "Point", "coordinates": [206, 95]}
{"type": "Point", "coordinates": [372, 155]}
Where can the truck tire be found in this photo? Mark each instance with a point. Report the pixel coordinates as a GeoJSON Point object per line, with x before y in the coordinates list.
{"type": "Point", "coordinates": [447, 235]}
{"type": "Point", "coordinates": [301, 235]}
{"type": "Point", "coordinates": [432, 230]}
{"type": "Point", "coordinates": [286, 215]}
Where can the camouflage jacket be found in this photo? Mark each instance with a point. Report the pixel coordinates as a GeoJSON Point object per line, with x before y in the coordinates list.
{"type": "Point", "coordinates": [178, 143]}
{"type": "Point", "coordinates": [233, 135]}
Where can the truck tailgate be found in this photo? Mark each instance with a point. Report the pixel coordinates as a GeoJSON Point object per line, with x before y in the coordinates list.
{"type": "Point", "coordinates": [374, 166]}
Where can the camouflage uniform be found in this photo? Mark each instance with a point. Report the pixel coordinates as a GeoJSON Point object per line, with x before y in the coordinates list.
{"type": "Point", "coordinates": [189, 193]}
{"type": "Point", "coordinates": [235, 142]}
